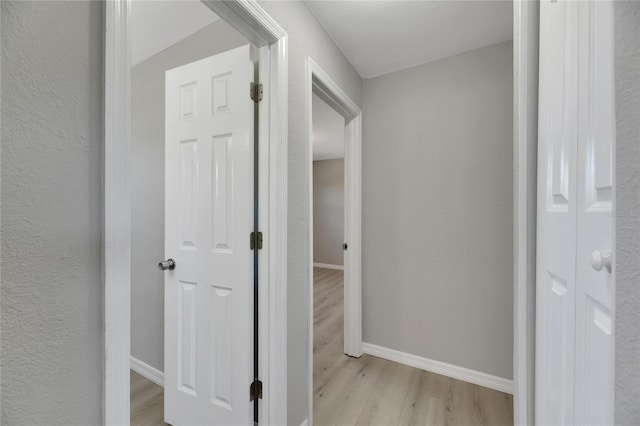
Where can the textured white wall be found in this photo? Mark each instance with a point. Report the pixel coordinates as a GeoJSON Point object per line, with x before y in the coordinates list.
{"type": "Point", "coordinates": [438, 210]}
{"type": "Point", "coordinates": [306, 38]}
{"type": "Point", "coordinates": [328, 211]}
{"type": "Point", "coordinates": [52, 212]}
{"type": "Point", "coordinates": [627, 253]}
{"type": "Point", "coordinates": [147, 182]}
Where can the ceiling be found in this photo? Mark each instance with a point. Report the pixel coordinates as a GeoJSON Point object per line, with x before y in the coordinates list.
{"type": "Point", "coordinates": [328, 131]}
{"type": "Point", "coordinates": [379, 37]}
{"type": "Point", "coordinates": [157, 25]}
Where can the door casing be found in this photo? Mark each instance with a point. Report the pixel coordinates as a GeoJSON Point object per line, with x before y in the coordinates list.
{"type": "Point", "coordinates": [251, 20]}
{"type": "Point", "coordinates": [526, 23]}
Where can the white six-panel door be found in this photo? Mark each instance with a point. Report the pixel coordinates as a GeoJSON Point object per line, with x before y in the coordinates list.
{"type": "Point", "coordinates": [574, 313]}
{"type": "Point", "coordinates": [209, 217]}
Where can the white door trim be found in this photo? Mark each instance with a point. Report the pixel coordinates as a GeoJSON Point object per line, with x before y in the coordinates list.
{"type": "Point", "coordinates": [525, 69]}
{"type": "Point", "coordinates": [320, 83]}
{"type": "Point", "coordinates": [252, 21]}
{"type": "Point", "coordinates": [328, 266]}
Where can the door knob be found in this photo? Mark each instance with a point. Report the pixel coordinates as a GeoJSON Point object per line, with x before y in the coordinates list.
{"type": "Point", "coordinates": [169, 264]}
{"type": "Point", "coordinates": [601, 260]}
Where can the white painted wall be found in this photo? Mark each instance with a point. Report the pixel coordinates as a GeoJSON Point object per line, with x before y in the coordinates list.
{"type": "Point", "coordinates": [627, 253]}
{"type": "Point", "coordinates": [328, 211]}
{"type": "Point", "coordinates": [147, 182]}
{"type": "Point", "coordinates": [437, 210]}
{"type": "Point", "coordinates": [52, 204]}
{"type": "Point", "coordinates": [328, 131]}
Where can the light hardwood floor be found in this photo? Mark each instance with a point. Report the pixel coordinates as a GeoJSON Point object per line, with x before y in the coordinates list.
{"type": "Point", "coordinates": [147, 402]}
{"type": "Point", "coordinates": [362, 391]}
{"type": "Point", "coordinates": [373, 391]}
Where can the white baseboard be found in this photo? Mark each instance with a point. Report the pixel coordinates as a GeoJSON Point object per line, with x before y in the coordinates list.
{"type": "Point", "coordinates": [328, 266]}
{"type": "Point", "coordinates": [438, 367]}
{"type": "Point", "coordinates": [147, 371]}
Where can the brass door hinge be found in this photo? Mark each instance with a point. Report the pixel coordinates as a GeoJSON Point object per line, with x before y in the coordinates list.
{"type": "Point", "coordinates": [256, 92]}
{"type": "Point", "coordinates": [255, 240]}
{"type": "Point", "coordinates": [255, 390]}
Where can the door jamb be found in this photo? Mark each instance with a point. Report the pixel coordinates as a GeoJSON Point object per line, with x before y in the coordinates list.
{"type": "Point", "coordinates": [250, 19]}
{"type": "Point", "coordinates": [525, 153]}
{"type": "Point", "coordinates": [319, 82]}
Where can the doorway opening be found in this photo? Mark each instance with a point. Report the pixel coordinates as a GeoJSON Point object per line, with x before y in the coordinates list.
{"type": "Point", "coordinates": [423, 172]}
{"type": "Point", "coordinates": [192, 205]}
{"type": "Point", "coordinates": [226, 153]}
{"type": "Point", "coordinates": [328, 244]}
{"type": "Point", "coordinates": [335, 251]}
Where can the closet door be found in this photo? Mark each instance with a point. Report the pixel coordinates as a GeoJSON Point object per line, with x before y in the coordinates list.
{"type": "Point", "coordinates": [575, 284]}
{"type": "Point", "coordinates": [594, 277]}
{"type": "Point", "coordinates": [556, 231]}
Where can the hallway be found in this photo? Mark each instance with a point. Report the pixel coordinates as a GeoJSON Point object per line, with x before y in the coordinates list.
{"type": "Point", "coordinates": [373, 391]}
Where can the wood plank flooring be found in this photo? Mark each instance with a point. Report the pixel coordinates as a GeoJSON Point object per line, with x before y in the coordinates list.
{"type": "Point", "coordinates": [147, 402]}
{"type": "Point", "coordinates": [373, 391]}
{"type": "Point", "coordinates": [362, 391]}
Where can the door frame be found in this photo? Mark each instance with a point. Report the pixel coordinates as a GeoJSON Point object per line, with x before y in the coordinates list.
{"type": "Point", "coordinates": [251, 20]}
{"type": "Point", "coordinates": [320, 83]}
{"type": "Point", "coordinates": [526, 17]}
